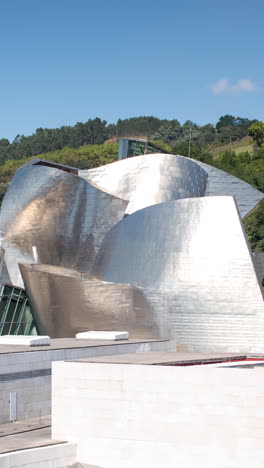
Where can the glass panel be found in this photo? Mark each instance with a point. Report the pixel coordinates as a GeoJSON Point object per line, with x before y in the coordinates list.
{"type": "Point", "coordinates": [137, 147]}
{"type": "Point", "coordinates": [15, 313]}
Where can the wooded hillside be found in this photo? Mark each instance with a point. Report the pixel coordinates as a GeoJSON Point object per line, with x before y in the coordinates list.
{"type": "Point", "coordinates": [96, 131]}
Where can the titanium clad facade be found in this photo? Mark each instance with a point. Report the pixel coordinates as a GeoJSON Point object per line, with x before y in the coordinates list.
{"type": "Point", "coordinates": [68, 301]}
{"type": "Point", "coordinates": [179, 266]}
{"type": "Point", "coordinates": [150, 179]}
{"type": "Point", "coordinates": [206, 304]}
{"type": "Point", "coordinates": [156, 178]}
{"type": "Point", "coordinates": [53, 216]}
{"type": "Point", "coordinates": [221, 183]}
{"type": "Point", "coordinates": [195, 252]}
{"type": "Point", "coordinates": [164, 245]}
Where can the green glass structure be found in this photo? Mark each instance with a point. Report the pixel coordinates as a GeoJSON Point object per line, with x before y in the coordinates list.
{"type": "Point", "coordinates": [15, 312]}
{"type": "Point", "coordinates": [129, 147]}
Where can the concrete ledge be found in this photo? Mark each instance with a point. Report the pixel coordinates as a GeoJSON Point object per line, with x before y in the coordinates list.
{"type": "Point", "coordinates": [68, 344]}
{"type": "Point", "coordinates": [26, 369]}
{"type": "Point", "coordinates": [25, 340]}
{"type": "Point", "coordinates": [57, 456]}
{"type": "Point", "coordinates": [103, 335]}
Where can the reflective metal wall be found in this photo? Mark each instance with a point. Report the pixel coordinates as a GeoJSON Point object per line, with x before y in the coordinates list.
{"type": "Point", "coordinates": [150, 179]}
{"type": "Point", "coordinates": [195, 252]}
{"type": "Point", "coordinates": [221, 183]}
{"type": "Point", "coordinates": [68, 302]}
{"type": "Point", "coordinates": [178, 266]}
{"type": "Point", "coordinates": [195, 239]}
{"type": "Point", "coordinates": [52, 216]}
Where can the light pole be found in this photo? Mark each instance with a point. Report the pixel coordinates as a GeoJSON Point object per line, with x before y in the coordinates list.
{"type": "Point", "coordinates": [190, 137]}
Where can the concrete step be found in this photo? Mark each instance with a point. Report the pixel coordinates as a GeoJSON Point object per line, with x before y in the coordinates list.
{"type": "Point", "coordinates": [49, 456]}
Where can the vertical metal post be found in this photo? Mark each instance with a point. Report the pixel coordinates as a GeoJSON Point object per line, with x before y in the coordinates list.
{"type": "Point", "coordinates": [2, 288]}
{"type": "Point", "coordinates": [20, 317]}
{"type": "Point", "coordinates": [12, 406]}
{"type": "Point", "coordinates": [190, 138]}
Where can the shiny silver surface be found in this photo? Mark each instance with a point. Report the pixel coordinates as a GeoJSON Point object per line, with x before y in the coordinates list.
{"type": "Point", "coordinates": [150, 179]}
{"type": "Point", "coordinates": [179, 268]}
{"type": "Point", "coordinates": [68, 302]}
{"type": "Point", "coordinates": [195, 253]}
{"type": "Point", "coordinates": [154, 178]}
{"type": "Point", "coordinates": [53, 216]}
{"type": "Point", "coordinates": [2, 254]}
{"type": "Point", "coordinates": [221, 183]}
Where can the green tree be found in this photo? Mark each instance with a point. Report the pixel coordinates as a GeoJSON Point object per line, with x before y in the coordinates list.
{"type": "Point", "coordinates": [256, 131]}
{"type": "Point", "coordinates": [254, 227]}
{"type": "Point", "coordinates": [162, 145]}
{"type": "Point", "coordinates": [225, 121]}
{"type": "Point", "coordinates": [183, 150]}
{"type": "Point", "coordinates": [232, 128]}
{"type": "Point", "coordinates": [167, 134]}
{"type": "Point", "coordinates": [4, 142]}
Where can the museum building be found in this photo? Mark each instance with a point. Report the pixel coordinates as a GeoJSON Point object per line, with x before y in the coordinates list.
{"type": "Point", "coordinates": [152, 244]}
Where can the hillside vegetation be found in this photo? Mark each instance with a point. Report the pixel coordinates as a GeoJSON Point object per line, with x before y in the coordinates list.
{"type": "Point", "coordinates": [239, 146]}
{"type": "Point", "coordinates": [225, 146]}
{"type": "Point", "coordinates": [254, 227]}
{"type": "Point", "coordinates": [96, 131]}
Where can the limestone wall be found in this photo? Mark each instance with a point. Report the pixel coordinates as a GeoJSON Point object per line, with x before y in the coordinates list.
{"type": "Point", "coordinates": [126, 416]}
{"type": "Point", "coordinates": [29, 374]}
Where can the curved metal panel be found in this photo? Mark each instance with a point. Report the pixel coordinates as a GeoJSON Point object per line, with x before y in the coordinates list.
{"type": "Point", "coordinates": [196, 253]}
{"type": "Point", "coordinates": [149, 247]}
{"type": "Point", "coordinates": [221, 183]}
{"type": "Point", "coordinates": [66, 302]}
{"type": "Point", "coordinates": [53, 216]}
{"type": "Point", "coordinates": [150, 179]}
{"type": "Point", "coordinates": [179, 268]}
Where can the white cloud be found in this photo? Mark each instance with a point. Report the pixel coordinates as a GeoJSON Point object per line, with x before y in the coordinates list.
{"type": "Point", "coordinates": [244, 85]}
{"type": "Point", "coordinates": [224, 86]}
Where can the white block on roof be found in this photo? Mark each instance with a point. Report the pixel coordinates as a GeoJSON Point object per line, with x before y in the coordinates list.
{"type": "Point", "coordinates": [25, 340]}
{"type": "Point", "coordinates": [103, 335]}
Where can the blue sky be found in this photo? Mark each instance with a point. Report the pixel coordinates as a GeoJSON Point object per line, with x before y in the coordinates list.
{"type": "Point", "coordinates": [65, 61]}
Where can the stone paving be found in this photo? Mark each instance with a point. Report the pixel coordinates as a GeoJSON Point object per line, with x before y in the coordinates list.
{"type": "Point", "coordinates": [71, 343]}
{"type": "Point", "coordinates": [165, 358]}
{"type": "Point", "coordinates": [27, 440]}
{"type": "Point", "coordinates": [22, 435]}
{"type": "Point", "coordinates": [24, 426]}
